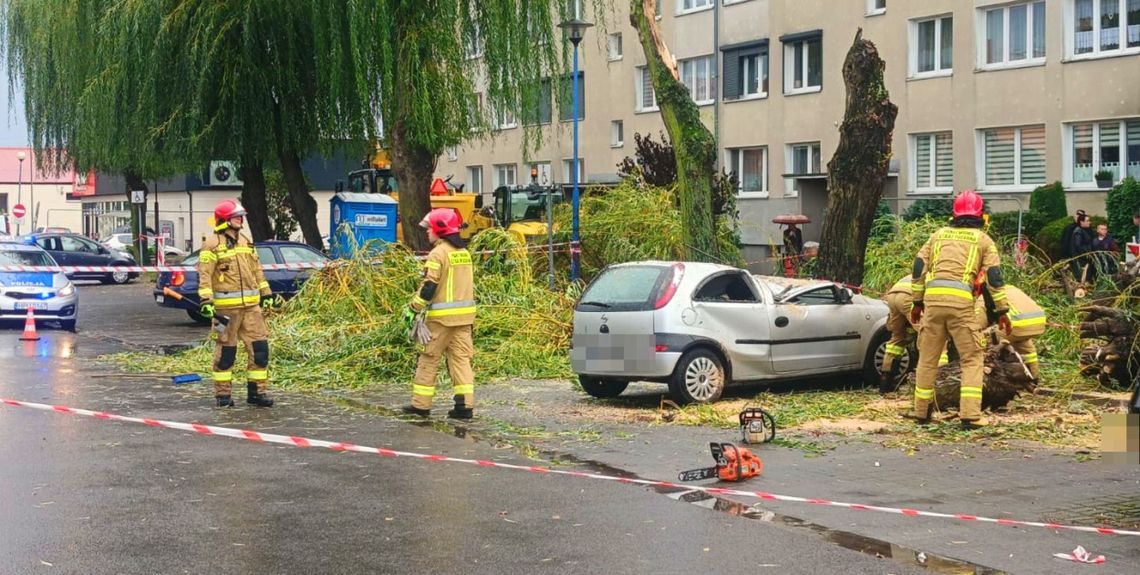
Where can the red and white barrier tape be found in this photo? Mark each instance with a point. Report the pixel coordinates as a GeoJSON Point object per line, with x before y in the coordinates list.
{"type": "Point", "coordinates": [296, 441]}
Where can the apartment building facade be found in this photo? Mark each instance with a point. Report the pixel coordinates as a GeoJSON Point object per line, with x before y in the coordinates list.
{"type": "Point", "coordinates": [993, 95]}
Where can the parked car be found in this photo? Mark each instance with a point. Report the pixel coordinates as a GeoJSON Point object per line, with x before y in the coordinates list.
{"type": "Point", "coordinates": [285, 283]}
{"type": "Point", "coordinates": [122, 242]}
{"type": "Point", "coordinates": [700, 327]}
{"type": "Point", "coordinates": [51, 295]}
{"type": "Point", "coordinates": [76, 250]}
{"type": "Point", "coordinates": [52, 230]}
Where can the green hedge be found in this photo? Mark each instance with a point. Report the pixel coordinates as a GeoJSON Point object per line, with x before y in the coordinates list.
{"type": "Point", "coordinates": [1049, 238]}
{"type": "Point", "coordinates": [1123, 201]}
{"type": "Point", "coordinates": [1048, 202]}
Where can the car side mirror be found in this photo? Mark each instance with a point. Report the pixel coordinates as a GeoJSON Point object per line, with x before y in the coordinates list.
{"type": "Point", "coordinates": [845, 296]}
{"type": "Point", "coordinates": [103, 250]}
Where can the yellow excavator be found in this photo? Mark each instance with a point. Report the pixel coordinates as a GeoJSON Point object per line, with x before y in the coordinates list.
{"type": "Point", "coordinates": [520, 210]}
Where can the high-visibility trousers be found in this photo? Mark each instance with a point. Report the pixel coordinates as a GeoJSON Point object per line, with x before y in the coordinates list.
{"type": "Point", "coordinates": [455, 343]}
{"type": "Point", "coordinates": [940, 324]}
{"type": "Point", "coordinates": [247, 325]}
{"type": "Point", "coordinates": [1028, 351]}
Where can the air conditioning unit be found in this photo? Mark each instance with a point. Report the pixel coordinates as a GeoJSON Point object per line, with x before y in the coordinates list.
{"type": "Point", "coordinates": [223, 173]}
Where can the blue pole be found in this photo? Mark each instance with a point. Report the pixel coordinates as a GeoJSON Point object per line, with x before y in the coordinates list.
{"type": "Point", "coordinates": [574, 249]}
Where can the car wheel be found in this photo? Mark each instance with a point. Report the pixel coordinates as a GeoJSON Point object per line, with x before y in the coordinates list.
{"type": "Point", "coordinates": [68, 324]}
{"type": "Point", "coordinates": [118, 278]}
{"type": "Point", "coordinates": [873, 364]}
{"type": "Point", "coordinates": [699, 377]}
{"type": "Point", "coordinates": [197, 317]}
{"type": "Point", "coordinates": [601, 388]}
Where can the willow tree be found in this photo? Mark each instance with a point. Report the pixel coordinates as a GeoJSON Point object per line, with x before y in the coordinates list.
{"type": "Point", "coordinates": [858, 169]}
{"type": "Point", "coordinates": [422, 62]}
{"type": "Point", "coordinates": [87, 102]}
{"type": "Point", "coordinates": [694, 146]}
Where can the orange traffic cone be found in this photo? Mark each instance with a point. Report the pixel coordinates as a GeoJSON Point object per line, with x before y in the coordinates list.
{"type": "Point", "coordinates": [30, 328]}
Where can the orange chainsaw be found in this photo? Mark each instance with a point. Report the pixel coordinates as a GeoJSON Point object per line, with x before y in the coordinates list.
{"type": "Point", "coordinates": [732, 464]}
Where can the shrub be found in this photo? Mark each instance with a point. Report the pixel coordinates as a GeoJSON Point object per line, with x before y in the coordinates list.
{"type": "Point", "coordinates": [885, 225]}
{"type": "Point", "coordinates": [940, 210]}
{"type": "Point", "coordinates": [1048, 202]}
{"type": "Point", "coordinates": [1123, 201]}
{"type": "Point", "coordinates": [1004, 224]}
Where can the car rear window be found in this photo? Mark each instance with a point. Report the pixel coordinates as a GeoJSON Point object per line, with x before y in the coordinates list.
{"type": "Point", "coordinates": [625, 288]}
{"type": "Point", "coordinates": [25, 258]}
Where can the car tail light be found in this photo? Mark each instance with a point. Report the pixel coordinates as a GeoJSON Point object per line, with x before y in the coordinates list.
{"type": "Point", "coordinates": [659, 348]}
{"type": "Point", "coordinates": [177, 279]}
{"type": "Point", "coordinates": [676, 271]}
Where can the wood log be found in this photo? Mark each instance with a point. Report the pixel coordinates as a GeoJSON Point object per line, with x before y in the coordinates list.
{"type": "Point", "coordinates": [1006, 377]}
{"type": "Point", "coordinates": [1111, 359]}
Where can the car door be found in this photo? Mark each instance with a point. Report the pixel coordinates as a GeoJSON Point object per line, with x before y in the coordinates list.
{"type": "Point", "coordinates": [277, 279]}
{"type": "Point", "coordinates": [729, 309]}
{"type": "Point", "coordinates": [816, 330]}
{"type": "Point", "coordinates": [298, 255]}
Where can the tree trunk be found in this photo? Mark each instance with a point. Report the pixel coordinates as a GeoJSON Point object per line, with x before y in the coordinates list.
{"type": "Point", "coordinates": [1112, 360]}
{"type": "Point", "coordinates": [304, 206]}
{"type": "Point", "coordinates": [413, 166]}
{"type": "Point", "coordinates": [1006, 377]}
{"type": "Point", "coordinates": [253, 199]}
{"type": "Point", "coordinates": [858, 169]}
{"type": "Point", "coordinates": [136, 182]}
{"type": "Point", "coordinates": [693, 144]}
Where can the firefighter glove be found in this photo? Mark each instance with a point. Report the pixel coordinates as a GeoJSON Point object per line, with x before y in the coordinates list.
{"type": "Point", "coordinates": [1003, 323]}
{"type": "Point", "coordinates": [409, 316]}
{"type": "Point", "coordinates": [207, 310]}
{"type": "Point", "coordinates": [271, 300]}
{"type": "Point", "coordinates": [916, 312]}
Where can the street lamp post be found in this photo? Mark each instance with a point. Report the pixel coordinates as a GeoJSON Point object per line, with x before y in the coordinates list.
{"type": "Point", "coordinates": [574, 30]}
{"type": "Point", "coordinates": [20, 187]}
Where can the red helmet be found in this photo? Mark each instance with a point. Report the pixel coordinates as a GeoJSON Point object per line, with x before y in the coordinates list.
{"type": "Point", "coordinates": [442, 221]}
{"type": "Point", "coordinates": [225, 210]}
{"type": "Point", "coordinates": [968, 203]}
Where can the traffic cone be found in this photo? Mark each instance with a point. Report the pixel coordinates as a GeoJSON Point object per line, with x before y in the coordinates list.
{"type": "Point", "coordinates": [30, 328]}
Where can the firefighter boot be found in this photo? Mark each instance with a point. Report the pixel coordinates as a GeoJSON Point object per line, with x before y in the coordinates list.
{"type": "Point", "coordinates": [413, 410]}
{"type": "Point", "coordinates": [255, 397]}
{"type": "Point", "coordinates": [461, 411]}
{"type": "Point", "coordinates": [921, 414]}
{"type": "Point", "coordinates": [224, 400]}
{"type": "Point", "coordinates": [977, 423]}
{"type": "Point", "coordinates": [889, 381]}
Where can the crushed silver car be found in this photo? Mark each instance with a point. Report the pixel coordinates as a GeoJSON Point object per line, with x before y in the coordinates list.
{"type": "Point", "coordinates": [700, 326]}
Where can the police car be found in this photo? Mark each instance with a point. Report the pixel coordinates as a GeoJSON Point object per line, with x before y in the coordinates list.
{"type": "Point", "coordinates": [49, 293]}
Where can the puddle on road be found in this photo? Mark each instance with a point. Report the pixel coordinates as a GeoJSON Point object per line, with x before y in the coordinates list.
{"type": "Point", "coordinates": [853, 541]}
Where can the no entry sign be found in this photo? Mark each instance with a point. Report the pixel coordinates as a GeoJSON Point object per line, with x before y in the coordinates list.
{"type": "Point", "coordinates": [19, 211]}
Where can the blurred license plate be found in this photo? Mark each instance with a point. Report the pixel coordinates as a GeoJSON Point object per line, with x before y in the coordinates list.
{"type": "Point", "coordinates": [159, 298]}
{"type": "Point", "coordinates": [31, 304]}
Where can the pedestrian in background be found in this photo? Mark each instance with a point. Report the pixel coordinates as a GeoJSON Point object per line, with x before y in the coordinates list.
{"type": "Point", "coordinates": [1106, 249]}
{"type": "Point", "coordinates": [1067, 235]}
{"type": "Point", "coordinates": [1081, 247]}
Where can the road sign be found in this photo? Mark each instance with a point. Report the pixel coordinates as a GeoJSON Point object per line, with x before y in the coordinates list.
{"type": "Point", "coordinates": [138, 196]}
{"type": "Point", "coordinates": [19, 211]}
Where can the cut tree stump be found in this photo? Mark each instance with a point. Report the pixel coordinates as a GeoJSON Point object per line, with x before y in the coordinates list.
{"type": "Point", "coordinates": [1112, 359]}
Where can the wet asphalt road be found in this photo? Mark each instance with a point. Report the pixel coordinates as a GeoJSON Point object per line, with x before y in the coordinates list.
{"type": "Point", "coordinates": [80, 495]}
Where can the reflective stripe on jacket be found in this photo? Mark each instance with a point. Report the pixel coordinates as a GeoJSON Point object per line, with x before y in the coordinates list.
{"type": "Point", "coordinates": [231, 275]}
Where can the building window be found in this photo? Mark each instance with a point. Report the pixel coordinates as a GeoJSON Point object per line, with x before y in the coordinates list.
{"type": "Point", "coordinates": [1012, 157]}
{"type": "Point", "coordinates": [1102, 27]}
{"type": "Point", "coordinates": [566, 97]}
{"type": "Point", "coordinates": [505, 175]}
{"type": "Point", "coordinates": [698, 76]}
{"type": "Point", "coordinates": [473, 43]}
{"type": "Point", "coordinates": [475, 179]}
{"type": "Point", "coordinates": [932, 161]}
{"type": "Point", "coordinates": [505, 119]}
{"type": "Point", "coordinates": [646, 98]}
{"type": "Point", "coordinates": [475, 112]}
{"type": "Point", "coordinates": [804, 159]}
{"type": "Point", "coordinates": [539, 112]}
{"type": "Point", "coordinates": [615, 47]}
{"type": "Point", "coordinates": [1012, 35]}
{"type": "Point", "coordinates": [568, 170]}
{"type": "Point", "coordinates": [685, 6]}
{"type": "Point", "coordinates": [1112, 146]}
{"type": "Point", "coordinates": [754, 75]}
{"type": "Point", "coordinates": [750, 166]}
{"type": "Point", "coordinates": [746, 71]}
{"type": "Point", "coordinates": [803, 65]}
{"type": "Point", "coordinates": [617, 134]}
{"type": "Point", "coordinates": [540, 171]}
{"type": "Point", "coordinates": [452, 153]}
{"type": "Point", "coordinates": [876, 7]}
{"type": "Point", "coordinates": [932, 47]}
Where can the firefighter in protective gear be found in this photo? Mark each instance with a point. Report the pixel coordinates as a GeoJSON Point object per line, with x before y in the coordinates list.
{"type": "Point", "coordinates": [943, 285]}
{"type": "Point", "coordinates": [899, 298]}
{"type": "Point", "coordinates": [232, 283]}
{"type": "Point", "coordinates": [447, 299]}
{"type": "Point", "coordinates": [1026, 320]}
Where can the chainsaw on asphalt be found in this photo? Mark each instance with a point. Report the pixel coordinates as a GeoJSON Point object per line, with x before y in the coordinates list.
{"type": "Point", "coordinates": [222, 321]}
{"type": "Point", "coordinates": [732, 464]}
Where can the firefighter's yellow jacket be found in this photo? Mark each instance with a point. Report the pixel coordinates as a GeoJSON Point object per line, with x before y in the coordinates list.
{"type": "Point", "coordinates": [453, 302]}
{"type": "Point", "coordinates": [952, 260]}
{"type": "Point", "coordinates": [229, 272]}
{"type": "Point", "coordinates": [1026, 318]}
